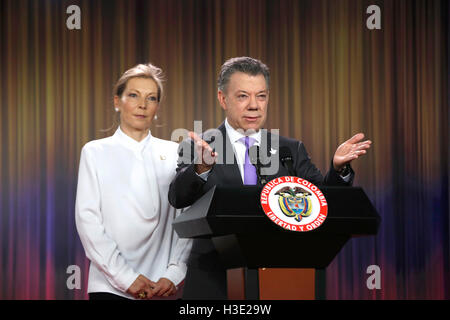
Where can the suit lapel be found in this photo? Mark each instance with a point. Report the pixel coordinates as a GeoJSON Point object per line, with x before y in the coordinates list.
{"type": "Point", "coordinates": [228, 173]}
{"type": "Point", "coordinates": [273, 154]}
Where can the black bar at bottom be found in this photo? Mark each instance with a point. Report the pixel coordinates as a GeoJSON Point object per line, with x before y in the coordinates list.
{"type": "Point", "coordinates": [251, 284]}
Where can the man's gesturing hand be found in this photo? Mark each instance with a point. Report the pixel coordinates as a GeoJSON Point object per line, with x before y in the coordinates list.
{"type": "Point", "coordinates": [204, 152]}
{"type": "Point", "coordinates": [350, 150]}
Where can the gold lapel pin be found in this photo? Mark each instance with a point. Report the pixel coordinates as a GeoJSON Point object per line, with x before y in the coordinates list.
{"type": "Point", "coordinates": [162, 157]}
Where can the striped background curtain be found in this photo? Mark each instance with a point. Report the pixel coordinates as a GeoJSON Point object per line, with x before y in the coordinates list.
{"type": "Point", "coordinates": [331, 77]}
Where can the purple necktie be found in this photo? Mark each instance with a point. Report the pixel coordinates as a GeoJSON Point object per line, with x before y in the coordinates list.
{"type": "Point", "coordinates": [249, 169]}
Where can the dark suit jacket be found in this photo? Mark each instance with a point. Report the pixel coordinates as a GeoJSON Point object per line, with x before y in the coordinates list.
{"type": "Point", "coordinates": [187, 187]}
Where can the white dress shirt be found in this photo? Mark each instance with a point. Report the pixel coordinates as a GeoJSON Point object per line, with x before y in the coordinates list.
{"type": "Point", "coordinates": [122, 212]}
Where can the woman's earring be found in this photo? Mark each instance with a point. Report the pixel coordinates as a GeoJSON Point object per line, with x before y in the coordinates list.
{"type": "Point", "coordinates": [155, 117]}
{"type": "Point", "coordinates": [117, 109]}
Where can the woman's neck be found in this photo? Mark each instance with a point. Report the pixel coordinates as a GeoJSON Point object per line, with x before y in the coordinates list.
{"type": "Point", "coordinates": [137, 135]}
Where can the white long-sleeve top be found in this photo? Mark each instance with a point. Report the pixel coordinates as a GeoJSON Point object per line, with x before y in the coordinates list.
{"type": "Point", "coordinates": [122, 212]}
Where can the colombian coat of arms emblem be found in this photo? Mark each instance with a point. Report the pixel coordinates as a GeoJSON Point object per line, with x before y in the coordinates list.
{"type": "Point", "coordinates": [294, 203]}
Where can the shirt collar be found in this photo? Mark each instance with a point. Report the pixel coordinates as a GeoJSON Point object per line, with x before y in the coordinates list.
{"type": "Point", "coordinates": [235, 135]}
{"type": "Point", "coordinates": [129, 142]}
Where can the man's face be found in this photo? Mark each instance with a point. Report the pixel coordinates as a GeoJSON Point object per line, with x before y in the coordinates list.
{"type": "Point", "coordinates": [245, 101]}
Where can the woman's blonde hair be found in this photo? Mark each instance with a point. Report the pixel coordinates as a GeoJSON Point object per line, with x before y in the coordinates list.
{"type": "Point", "coordinates": [148, 71]}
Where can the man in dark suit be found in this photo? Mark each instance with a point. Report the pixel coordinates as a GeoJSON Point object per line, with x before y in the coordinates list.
{"type": "Point", "coordinates": [243, 92]}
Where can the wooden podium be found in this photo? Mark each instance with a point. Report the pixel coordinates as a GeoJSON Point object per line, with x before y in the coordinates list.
{"type": "Point", "coordinates": [265, 261]}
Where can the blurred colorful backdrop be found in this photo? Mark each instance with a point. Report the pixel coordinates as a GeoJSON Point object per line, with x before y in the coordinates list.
{"type": "Point", "coordinates": [331, 77]}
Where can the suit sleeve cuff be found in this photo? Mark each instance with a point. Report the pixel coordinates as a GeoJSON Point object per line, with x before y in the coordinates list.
{"type": "Point", "coordinates": [347, 177]}
{"type": "Point", "coordinates": [204, 176]}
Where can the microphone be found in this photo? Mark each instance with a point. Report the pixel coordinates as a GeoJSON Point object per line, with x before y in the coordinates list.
{"type": "Point", "coordinates": [253, 154]}
{"type": "Point", "coordinates": [286, 159]}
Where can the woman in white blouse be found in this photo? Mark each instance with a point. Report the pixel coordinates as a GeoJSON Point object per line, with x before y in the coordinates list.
{"type": "Point", "coordinates": [123, 216]}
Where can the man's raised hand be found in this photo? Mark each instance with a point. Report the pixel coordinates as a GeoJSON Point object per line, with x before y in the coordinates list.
{"type": "Point", "coordinates": [206, 156]}
{"type": "Point", "coordinates": [350, 150]}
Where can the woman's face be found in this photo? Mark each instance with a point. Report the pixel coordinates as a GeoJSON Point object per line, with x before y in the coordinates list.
{"type": "Point", "coordinates": [137, 105]}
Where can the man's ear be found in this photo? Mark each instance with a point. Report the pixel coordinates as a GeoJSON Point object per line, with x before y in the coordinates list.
{"type": "Point", "coordinates": [221, 97]}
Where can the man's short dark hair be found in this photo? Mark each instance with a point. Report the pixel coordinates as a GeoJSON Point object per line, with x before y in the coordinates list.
{"type": "Point", "coordinates": [246, 65]}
